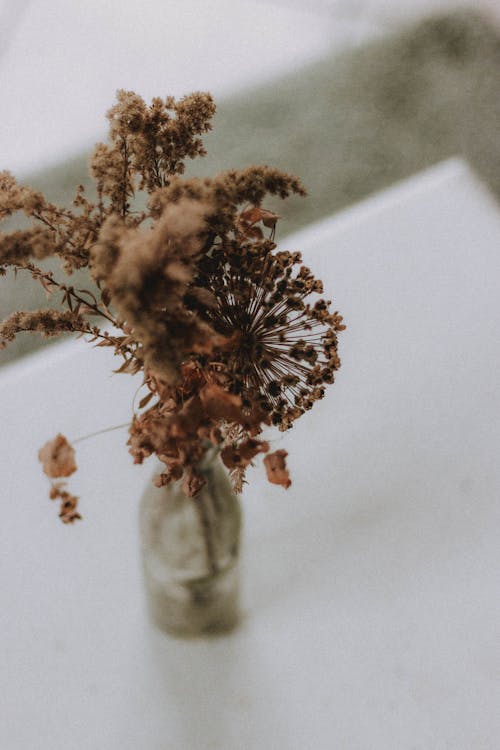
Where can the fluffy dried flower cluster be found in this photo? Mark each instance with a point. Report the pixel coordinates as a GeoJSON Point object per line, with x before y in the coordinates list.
{"type": "Point", "coordinates": [191, 291]}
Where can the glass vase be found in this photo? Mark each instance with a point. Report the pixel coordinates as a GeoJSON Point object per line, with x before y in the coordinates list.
{"type": "Point", "coordinates": [190, 552]}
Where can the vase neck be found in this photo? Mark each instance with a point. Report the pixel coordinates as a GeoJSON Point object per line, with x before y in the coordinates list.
{"type": "Point", "coordinates": [209, 459]}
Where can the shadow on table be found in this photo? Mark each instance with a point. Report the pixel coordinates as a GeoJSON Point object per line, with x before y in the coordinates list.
{"type": "Point", "coordinates": [214, 692]}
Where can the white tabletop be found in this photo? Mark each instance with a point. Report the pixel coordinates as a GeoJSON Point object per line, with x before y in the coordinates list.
{"type": "Point", "coordinates": [371, 587]}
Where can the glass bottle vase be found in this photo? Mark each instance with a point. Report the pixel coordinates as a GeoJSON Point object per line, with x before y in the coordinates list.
{"type": "Point", "coordinates": [190, 553]}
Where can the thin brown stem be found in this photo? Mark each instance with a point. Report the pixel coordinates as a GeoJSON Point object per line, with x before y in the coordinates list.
{"type": "Point", "coordinates": [206, 529]}
{"type": "Point", "coordinates": [68, 290]}
{"type": "Point", "coordinates": [100, 432]}
{"type": "Point", "coordinates": [126, 167]}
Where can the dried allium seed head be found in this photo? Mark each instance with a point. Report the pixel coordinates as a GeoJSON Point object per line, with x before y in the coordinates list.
{"type": "Point", "coordinates": [281, 351]}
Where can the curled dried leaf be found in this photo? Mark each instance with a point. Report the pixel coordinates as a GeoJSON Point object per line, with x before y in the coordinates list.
{"type": "Point", "coordinates": [237, 479]}
{"type": "Point", "coordinates": [254, 214]}
{"type": "Point", "coordinates": [240, 455]}
{"type": "Point", "coordinates": [146, 399]}
{"type": "Point", "coordinates": [68, 512]}
{"type": "Point", "coordinates": [192, 483]}
{"type": "Point", "coordinates": [69, 502]}
{"type": "Point", "coordinates": [219, 404]}
{"type": "Point", "coordinates": [275, 464]}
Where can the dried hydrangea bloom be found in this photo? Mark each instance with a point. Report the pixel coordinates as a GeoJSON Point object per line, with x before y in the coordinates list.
{"type": "Point", "coordinates": [283, 349]}
{"type": "Point", "coordinates": [57, 457]}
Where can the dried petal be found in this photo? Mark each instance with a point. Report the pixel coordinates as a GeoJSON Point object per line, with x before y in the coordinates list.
{"type": "Point", "coordinates": [192, 483]}
{"type": "Point", "coordinates": [68, 512]}
{"type": "Point", "coordinates": [240, 455]}
{"type": "Point", "coordinates": [219, 404]}
{"type": "Point", "coordinates": [275, 464]}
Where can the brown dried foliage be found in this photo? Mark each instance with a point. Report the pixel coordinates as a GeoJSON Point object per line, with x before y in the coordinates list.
{"type": "Point", "coordinates": [67, 510]}
{"type": "Point", "coordinates": [192, 292]}
{"type": "Point", "coordinates": [275, 464]}
{"type": "Point", "coordinates": [57, 457]}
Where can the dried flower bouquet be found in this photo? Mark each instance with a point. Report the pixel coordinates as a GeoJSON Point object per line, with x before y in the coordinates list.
{"type": "Point", "coordinates": [191, 291]}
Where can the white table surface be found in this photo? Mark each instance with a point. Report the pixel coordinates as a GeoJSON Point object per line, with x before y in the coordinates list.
{"type": "Point", "coordinates": [371, 587]}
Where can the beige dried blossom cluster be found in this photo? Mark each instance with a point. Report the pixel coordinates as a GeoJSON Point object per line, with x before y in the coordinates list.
{"type": "Point", "coordinates": [229, 332]}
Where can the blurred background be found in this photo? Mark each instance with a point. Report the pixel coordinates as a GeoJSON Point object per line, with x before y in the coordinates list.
{"type": "Point", "coordinates": [349, 95]}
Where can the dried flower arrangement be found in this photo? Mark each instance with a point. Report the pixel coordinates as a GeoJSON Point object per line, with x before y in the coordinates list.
{"type": "Point", "coordinates": [191, 291]}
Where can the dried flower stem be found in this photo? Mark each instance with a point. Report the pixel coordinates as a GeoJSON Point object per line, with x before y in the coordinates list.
{"type": "Point", "coordinates": [100, 432]}
{"type": "Point", "coordinates": [200, 501]}
{"type": "Point", "coordinates": [48, 281]}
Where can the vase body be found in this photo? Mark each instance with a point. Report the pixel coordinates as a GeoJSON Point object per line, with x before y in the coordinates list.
{"type": "Point", "coordinates": [190, 553]}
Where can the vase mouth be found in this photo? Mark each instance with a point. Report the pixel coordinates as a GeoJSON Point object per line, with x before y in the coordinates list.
{"type": "Point", "coordinates": [211, 454]}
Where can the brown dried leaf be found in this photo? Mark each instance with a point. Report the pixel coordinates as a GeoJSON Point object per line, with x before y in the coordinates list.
{"type": "Point", "coordinates": [255, 214]}
{"type": "Point", "coordinates": [68, 512]}
{"type": "Point", "coordinates": [237, 478]}
{"type": "Point", "coordinates": [275, 464]}
{"type": "Point", "coordinates": [219, 404]}
{"type": "Point", "coordinates": [268, 218]}
{"type": "Point", "coordinates": [130, 366]}
{"type": "Point", "coordinates": [251, 215]}
{"type": "Point", "coordinates": [240, 455]}
{"type": "Point", "coordinates": [145, 400]}
{"type": "Point", "coordinates": [192, 483]}
{"type": "Point", "coordinates": [56, 489]}
{"type": "Point", "coordinates": [47, 284]}
{"type": "Point", "coordinates": [87, 310]}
